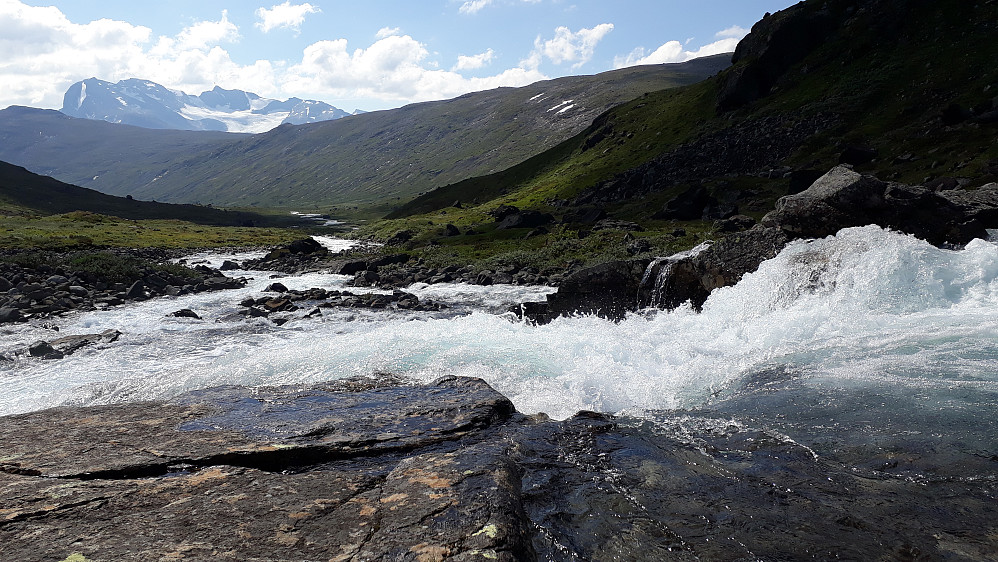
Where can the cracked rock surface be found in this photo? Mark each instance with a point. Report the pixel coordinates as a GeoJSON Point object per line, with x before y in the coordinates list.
{"type": "Point", "coordinates": [376, 469]}
{"type": "Point", "coordinates": [322, 473]}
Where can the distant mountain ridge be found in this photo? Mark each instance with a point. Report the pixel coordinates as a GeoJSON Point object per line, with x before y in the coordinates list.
{"type": "Point", "coordinates": [150, 105]}
{"type": "Point", "coordinates": [382, 157]}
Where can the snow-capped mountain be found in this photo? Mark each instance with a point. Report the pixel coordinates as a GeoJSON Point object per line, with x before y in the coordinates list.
{"type": "Point", "coordinates": [147, 104]}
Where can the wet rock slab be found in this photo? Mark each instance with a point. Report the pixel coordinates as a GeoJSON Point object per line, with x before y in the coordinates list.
{"type": "Point", "coordinates": [374, 469]}
{"type": "Point", "coordinates": [233, 474]}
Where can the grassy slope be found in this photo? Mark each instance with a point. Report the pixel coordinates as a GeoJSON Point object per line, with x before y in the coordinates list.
{"type": "Point", "coordinates": [888, 94]}
{"type": "Point", "coordinates": [40, 212]}
{"type": "Point", "coordinates": [104, 156]}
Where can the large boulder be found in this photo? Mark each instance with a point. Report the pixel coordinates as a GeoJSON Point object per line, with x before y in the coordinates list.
{"type": "Point", "coordinates": [608, 290]}
{"type": "Point", "coordinates": [843, 198]}
{"type": "Point", "coordinates": [524, 219]}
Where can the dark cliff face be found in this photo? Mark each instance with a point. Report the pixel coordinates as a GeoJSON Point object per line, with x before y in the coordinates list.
{"type": "Point", "coordinates": [780, 41]}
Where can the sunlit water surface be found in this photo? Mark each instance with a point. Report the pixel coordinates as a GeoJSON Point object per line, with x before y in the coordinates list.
{"type": "Point", "coordinates": [865, 329]}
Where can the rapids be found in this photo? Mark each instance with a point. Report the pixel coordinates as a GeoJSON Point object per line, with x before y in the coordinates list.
{"type": "Point", "coordinates": [867, 329]}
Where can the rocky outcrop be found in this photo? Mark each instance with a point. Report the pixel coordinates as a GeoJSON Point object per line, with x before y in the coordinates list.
{"type": "Point", "coordinates": [607, 290]}
{"type": "Point", "coordinates": [316, 299]}
{"type": "Point", "coordinates": [43, 284]}
{"type": "Point", "coordinates": [843, 198]}
{"type": "Point", "coordinates": [373, 469]}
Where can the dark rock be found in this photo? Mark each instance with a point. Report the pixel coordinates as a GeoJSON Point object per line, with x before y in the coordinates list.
{"type": "Point", "coordinates": [399, 238]}
{"type": "Point", "coordinates": [451, 230]}
{"type": "Point", "coordinates": [539, 231]}
{"type": "Point", "coordinates": [943, 184]}
{"type": "Point", "coordinates": [979, 205]}
{"type": "Point", "coordinates": [79, 291]}
{"type": "Point", "coordinates": [136, 291]}
{"type": "Point", "coordinates": [954, 114]}
{"type": "Point", "coordinates": [585, 216]}
{"type": "Point", "coordinates": [229, 265]}
{"type": "Point", "coordinates": [503, 211]}
{"type": "Point", "coordinates": [425, 476]}
{"type": "Point", "coordinates": [688, 205]}
{"type": "Point", "coordinates": [857, 155]}
{"type": "Point", "coordinates": [775, 44]}
{"type": "Point", "coordinates": [9, 314]}
{"type": "Point", "coordinates": [68, 345]}
{"type": "Point", "coordinates": [734, 224]}
{"type": "Point", "coordinates": [40, 349]}
{"type": "Point", "coordinates": [5, 285]}
{"type": "Point", "coordinates": [802, 179]}
{"type": "Point", "coordinates": [391, 259]}
{"type": "Point", "coordinates": [524, 219]}
{"type": "Point", "coordinates": [843, 198]}
{"type": "Point", "coordinates": [608, 290]}
{"type": "Point", "coordinates": [56, 280]}
{"type": "Point", "coordinates": [276, 287]}
{"type": "Point", "coordinates": [366, 278]}
{"type": "Point", "coordinates": [185, 313]}
{"type": "Point", "coordinates": [279, 305]}
{"type": "Point", "coordinates": [306, 246]}
{"type": "Point", "coordinates": [352, 267]}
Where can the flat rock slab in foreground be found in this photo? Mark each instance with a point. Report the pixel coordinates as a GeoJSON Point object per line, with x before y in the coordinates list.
{"type": "Point", "coordinates": [398, 473]}
{"type": "Point", "coordinates": [359, 470]}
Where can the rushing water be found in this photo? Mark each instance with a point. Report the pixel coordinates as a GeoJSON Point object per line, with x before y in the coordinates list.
{"type": "Point", "coordinates": [865, 329]}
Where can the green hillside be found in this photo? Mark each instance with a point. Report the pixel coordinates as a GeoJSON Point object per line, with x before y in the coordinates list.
{"type": "Point", "coordinates": [906, 89]}
{"type": "Point", "coordinates": [381, 158]}
{"type": "Point", "coordinates": [41, 212]}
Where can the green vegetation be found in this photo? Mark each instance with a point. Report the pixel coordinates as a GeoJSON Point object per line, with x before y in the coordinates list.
{"type": "Point", "coordinates": [82, 230]}
{"type": "Point", "coordinates": [883, 80]}
{"type": "Point", "coordinates": [106, 266]}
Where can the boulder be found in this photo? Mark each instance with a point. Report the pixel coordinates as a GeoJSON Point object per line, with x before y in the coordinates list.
{"type": "Point", "coordinates": [276, 287]}
{"type": "Point", "coordinates": [185, 313]}
{"type": "Point", "coordinates": [843, 198]}
{"type": "Point", "coordinates": [41, 349]}
{"type": "Point", "coordinates": [136, 291]}
{"type": "Point", "coordinates": [525, 219]}
{"type": "Point", "coordinates": [352, 267]}
{"type": "Point", "coordinates": [451, 230]}
{"type": "Point", "coordinates": [688, 205]}
{"type": "Point", "coordinates": [306, 246]}
{"type": "Point", "coordinates": [608, 290]}
{"type": "Point", "coordinates": [229, 265]}
{"type": "Point", "coordinates": [10, 314]}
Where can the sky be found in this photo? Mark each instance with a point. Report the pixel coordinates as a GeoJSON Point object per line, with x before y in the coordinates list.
{"type": "Point", "coordinates": [356, 54]}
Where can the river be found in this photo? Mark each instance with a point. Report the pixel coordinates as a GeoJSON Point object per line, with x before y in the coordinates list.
{"type": "Point", "coordinates": [868, 336]}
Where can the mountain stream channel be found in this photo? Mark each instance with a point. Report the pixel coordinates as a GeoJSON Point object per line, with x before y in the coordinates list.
{"type": "Point", "coordinates": [858, 372]}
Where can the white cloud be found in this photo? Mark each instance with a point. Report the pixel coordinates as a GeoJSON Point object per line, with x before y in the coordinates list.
{"type": "Point", "coordinates": [474, 6]}
{"type": "Point", "coordinates": [393, 68]}
{"type": "Point", "coordinates": [674, 51]}
{"type": "Point", "coordinates": [286, 15]}
{"type": "Point", "coordinates": [735, 31]}
{"type": "Point", "coordinates": [388, 32]}
{"type": "Point", "coordinates": [42, 53]}
{"type": "Point", "coordinates": [205, 34]}
{"type": "Point", "coordinates": [568, 46]}
{"type": "Point", "coordinates": [473, 62]}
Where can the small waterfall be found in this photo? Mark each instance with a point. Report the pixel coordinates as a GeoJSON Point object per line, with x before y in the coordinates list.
{"type": "Point", "coordinates": [653, 289]}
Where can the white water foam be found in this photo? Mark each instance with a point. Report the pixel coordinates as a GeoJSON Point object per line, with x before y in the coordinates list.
{"type": "Point", "coordinates": [867, 306]}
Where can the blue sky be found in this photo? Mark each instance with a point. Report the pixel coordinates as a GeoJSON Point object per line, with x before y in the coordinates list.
{"type": "Point", "coordinates": [369, 54]}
